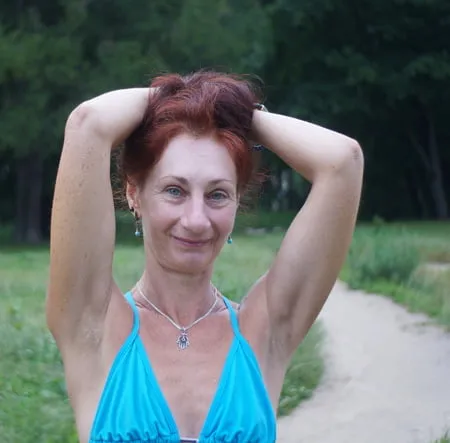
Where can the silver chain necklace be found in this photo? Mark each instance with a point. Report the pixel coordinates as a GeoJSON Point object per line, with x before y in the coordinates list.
{"type": "Point", "coordinates": [183, 339]}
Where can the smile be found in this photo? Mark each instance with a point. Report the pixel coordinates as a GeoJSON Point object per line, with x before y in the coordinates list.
{"type": "Point", "coordinates": [191, 243]}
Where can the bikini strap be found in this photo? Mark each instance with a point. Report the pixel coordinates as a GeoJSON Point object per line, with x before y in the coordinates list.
{"type": "Point", "coordinates": [245, 345]}
{"type": "Point", "coordinates": [129, 298]}
{"type": "Point", "coordinates": [233, 317]}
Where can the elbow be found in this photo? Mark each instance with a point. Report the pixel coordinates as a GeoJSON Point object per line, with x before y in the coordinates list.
{"type": "Point", "coordinates": [79, 114]}
{"type": "Point", "coordinates": [351, 157]}
{"type": "Point", "coordinates": [356, 151]}
{"type": "Point", "coordinates": [80, 117]}
{"type": "Point", "coordinates": [346, 160]}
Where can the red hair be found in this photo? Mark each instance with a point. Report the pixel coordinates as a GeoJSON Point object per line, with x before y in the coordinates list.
{"type": "Point", "coordinates": [203, 103]}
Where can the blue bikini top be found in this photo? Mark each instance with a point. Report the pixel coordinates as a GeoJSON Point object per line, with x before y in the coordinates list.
{"type": "Point", "coordinates": [132, 407]}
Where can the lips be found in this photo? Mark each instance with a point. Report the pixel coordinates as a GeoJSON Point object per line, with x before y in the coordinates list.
{"type": "Point", "coordinates": [190, 242]}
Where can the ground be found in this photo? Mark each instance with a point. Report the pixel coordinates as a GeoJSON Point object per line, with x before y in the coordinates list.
{"type": "Point", "coordinates": [387, 376]}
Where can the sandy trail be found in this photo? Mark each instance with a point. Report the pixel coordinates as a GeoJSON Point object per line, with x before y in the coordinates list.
{"type": "Point", "coordinates": [387, 376]}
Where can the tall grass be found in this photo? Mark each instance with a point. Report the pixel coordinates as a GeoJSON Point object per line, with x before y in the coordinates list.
{"type": "Point", "coordinates": [33, 401]}
{"type": "Point", "coordinates": [382, 254]}
{"type": "Point", "coordinates": [444, 439]}
{"type": "Point", "coordinates": [394, 260]}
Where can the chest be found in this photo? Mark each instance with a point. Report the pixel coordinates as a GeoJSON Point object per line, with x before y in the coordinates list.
{"type": "Point", "coordinates": [213, 385]}
{"type": "Point", "coordinates": [188, 380]}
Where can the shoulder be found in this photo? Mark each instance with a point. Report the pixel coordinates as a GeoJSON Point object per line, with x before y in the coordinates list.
{"type": "Point", "coordinates": [253, 316]}
{"type": "Point", "coordinates": [234, 305]}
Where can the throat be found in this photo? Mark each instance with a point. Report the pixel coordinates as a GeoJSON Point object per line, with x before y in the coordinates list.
{"type": "Point", "coordinates": [182, 319]}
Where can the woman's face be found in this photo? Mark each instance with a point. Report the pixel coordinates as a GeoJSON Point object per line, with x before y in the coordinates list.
{"type": "Point", "coordinates": [188, 203]}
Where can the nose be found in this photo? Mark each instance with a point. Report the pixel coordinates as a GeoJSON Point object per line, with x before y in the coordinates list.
{"type": "Point", "coordinates": [195, 217]}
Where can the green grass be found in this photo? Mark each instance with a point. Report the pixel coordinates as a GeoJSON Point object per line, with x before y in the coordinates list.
{"type": "Point", "coordinates": [387, 259]}
{"type": "Point", "coordinates": [393, 260]}
{"type": "Point", "coordinates": [33, 403]}
{"type": "Point", "coordinates": [444, 439]}
{"type": "Point", "coordinates": [304, 372]}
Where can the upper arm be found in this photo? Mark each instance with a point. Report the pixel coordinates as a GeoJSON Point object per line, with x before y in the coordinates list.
{"type": "Point", "coordinates": [82, 230]}
{"type": "Point", "coordinates": [313, 251]}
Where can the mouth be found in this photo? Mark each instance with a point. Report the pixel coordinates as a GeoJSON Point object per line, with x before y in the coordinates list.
{"type": "Point", "coordinates": [191, 243]}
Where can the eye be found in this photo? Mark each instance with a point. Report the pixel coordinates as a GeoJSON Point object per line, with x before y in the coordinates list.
{"type": "Point", "coordinates": [218, 196]}
{"type": "Point", "coordinates": [174, 191]}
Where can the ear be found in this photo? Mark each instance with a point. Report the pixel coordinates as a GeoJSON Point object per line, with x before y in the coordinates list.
{"type": "Point", "coordinates": [132, 193]}
{"type": "Point", "coordinates": [238, 200]}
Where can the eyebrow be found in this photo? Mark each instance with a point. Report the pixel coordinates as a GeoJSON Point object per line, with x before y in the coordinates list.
{"type": "Point", "coordinates": [186, 182]}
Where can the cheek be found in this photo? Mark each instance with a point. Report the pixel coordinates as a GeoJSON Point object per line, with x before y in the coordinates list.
{"type": "Point", "coordinates": [226, 219]}
{"type": "Point", "coordinates": [160, 216]}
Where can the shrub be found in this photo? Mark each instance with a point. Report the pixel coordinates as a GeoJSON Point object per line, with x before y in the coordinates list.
{"type": "Point", "coordinates": [379, 254]}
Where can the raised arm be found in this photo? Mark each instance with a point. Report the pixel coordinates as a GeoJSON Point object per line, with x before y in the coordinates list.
{"type": "Point", "coordinates": [315, 245]}
{"type": "Point", "coordinates": [83, 225]}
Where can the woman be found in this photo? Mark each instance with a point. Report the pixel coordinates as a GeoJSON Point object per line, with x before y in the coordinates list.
{"type": "Point", "coordinates": [173, 360]}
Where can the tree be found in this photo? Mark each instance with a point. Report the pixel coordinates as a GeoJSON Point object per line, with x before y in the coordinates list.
{"type": "Point", "coordinates": [379, 71]}
{"type": "Point", "coordinates": [54, 55]}
{"type": "Point", "coordinates": [37, 74]}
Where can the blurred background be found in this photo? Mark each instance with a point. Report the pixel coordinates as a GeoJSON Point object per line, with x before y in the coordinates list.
{"type": "Point", "coordinates": [377, 71]}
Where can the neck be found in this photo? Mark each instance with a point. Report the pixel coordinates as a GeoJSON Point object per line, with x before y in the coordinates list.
{"type": "Point", "coordinates": [183, 297]}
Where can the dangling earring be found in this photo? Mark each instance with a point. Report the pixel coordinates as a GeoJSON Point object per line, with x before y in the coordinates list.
{"type": "Point", "coordinates": [137, 222]}
{"type": "Point", "coordinates": [138, 231]}
{"type": "Point", "coordinates": [229, 240]}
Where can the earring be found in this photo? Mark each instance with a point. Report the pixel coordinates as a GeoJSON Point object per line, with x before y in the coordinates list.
{"type": "Point", "coordinates": [229, 240]}
{"type": "Point", "coordinates": [138, 231]}
{"type": "Point", "coordinates": [137, 222]}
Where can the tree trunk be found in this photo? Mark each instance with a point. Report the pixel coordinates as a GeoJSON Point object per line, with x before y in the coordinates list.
{"type": "Point", "coordinates": [436, 181]}
{"type": "Point", "coordinates": [433, 168]}
{"type": "Point", "coordinates": [28, 226]}
{"type": "Point", "coordinates": [424, 213]}
{"type": "Point", "coordinates": [420, 193]}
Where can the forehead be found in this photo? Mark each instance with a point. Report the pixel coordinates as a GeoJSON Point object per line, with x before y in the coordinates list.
{"type": "Point", "coordinates": [196, 158]}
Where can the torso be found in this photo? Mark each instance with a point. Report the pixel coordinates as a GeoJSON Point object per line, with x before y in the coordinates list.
{"type": "Point", "coordinates": [179, 373]}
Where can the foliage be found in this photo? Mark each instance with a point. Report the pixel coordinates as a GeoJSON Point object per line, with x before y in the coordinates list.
{"type": "Point", "coordinates": [304, 373]}
{"type": "Point", "coordinates": [382, 254]}
{"type": "Point", "coordinates": [444, 439]}
{"type": "Point", "coordinates": [420, 283]}
{"type": "Point", "coordinates": [376, 71]}
{"type": "Point", "coordinates": [33, 402]}
{"type": "Point", "coordinates": [55, 55]}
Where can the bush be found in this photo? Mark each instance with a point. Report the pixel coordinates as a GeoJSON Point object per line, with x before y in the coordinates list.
{"type": "Point", "coordinates": [381, 254]}
{"type": "Point", "coordinates": [408, 263]}
{"type": "Point", "coordinates": [444, 439]}
{"type": "Point", "coordinates": [430, 293]}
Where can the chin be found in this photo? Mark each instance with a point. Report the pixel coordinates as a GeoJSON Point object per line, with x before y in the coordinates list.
{"type": "Point", "coordinates": [192, 266]}
{"type": "Point", "coordinates": [194, 262]}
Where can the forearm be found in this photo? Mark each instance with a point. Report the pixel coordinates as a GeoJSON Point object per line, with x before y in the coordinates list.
{"type": "Point", "coordinates": [309, 149]}
{"type": "Point", "coordinates": [114, 115]}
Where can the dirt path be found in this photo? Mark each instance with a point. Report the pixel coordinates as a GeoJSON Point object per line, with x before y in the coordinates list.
{"type": "Point", "coordinates": [387, 377]}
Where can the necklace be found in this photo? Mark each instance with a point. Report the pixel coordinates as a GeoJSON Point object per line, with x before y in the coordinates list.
{"type": "Point", "coordinates": [183, 339]}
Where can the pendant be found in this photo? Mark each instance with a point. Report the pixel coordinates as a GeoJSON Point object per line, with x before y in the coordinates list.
{"type": "Point", "coordinates": [183, 340]}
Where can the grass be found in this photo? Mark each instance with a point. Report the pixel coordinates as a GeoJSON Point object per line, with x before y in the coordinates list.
{"type": "Point", "coordinates": [394, 260]}
{"type": "Point", "coordinates": [304, 372]}
{"type": "Point", "coordinates": [33, 403]}
{"type": "Point", "coordinates": [444, 439]}
{"type": "Point", "coordinates": [388, 259]}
